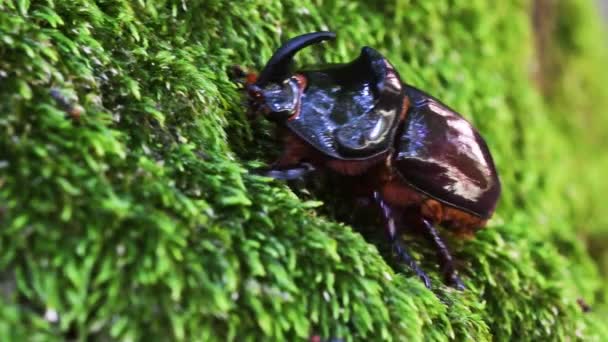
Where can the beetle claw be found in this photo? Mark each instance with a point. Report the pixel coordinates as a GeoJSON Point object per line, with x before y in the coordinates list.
{"type": "Point", "coordinates": [454, 281]}
{"type": "Point", "coordinates": [425, 279]}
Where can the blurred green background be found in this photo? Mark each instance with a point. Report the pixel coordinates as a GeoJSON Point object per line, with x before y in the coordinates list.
{"type": "Point", "coordinates": [128, 212]}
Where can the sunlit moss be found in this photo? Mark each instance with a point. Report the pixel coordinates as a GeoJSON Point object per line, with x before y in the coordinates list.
{"type": "Point", "coordinates": [137, 218]}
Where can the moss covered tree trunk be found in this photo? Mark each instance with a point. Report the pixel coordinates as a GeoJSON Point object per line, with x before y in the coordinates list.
{"type": "Point", "coordinates": [127, 210]}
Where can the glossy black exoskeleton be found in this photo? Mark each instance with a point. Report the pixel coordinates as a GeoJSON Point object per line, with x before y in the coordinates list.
{"type": "Point", "coordinates": [419, 160]}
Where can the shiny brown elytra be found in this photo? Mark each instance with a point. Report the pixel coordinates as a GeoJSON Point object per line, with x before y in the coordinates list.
{"type": "Point", "coordinates": [419, 160]}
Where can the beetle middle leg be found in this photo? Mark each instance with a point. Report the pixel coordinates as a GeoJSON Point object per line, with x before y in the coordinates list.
{"type": "Point", "coordinates": [391, 228]}
{"type": "Point", "coordinates": [447, 261]}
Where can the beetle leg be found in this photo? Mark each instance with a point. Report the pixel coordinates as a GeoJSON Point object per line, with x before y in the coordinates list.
{"type": "Point", "coordinates": [398, 247]}
{"type": "Point", "coordinates": [445, 256]}
{"type": "Point", "coordinates": [293, 172]}
{"type": "Point", "coordinates": [240, 75]}
{"type": "Point", "coordinates": [237, 74]}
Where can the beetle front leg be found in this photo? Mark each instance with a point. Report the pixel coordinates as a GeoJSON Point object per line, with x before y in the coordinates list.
{"type": "Point", "coordinates": [391, 228]}
{"type": "Point", "coordinates": [447, 261]}
{"type": "Point", "coordinates": [293, 162]}
{"type": "Point", "coordinates": [240, 75]}
{"type": "Point", "coordinates": [291, 172]}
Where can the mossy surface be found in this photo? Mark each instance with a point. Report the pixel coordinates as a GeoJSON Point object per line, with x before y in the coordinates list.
{"type": "Point", "coordinates": [128, 212]}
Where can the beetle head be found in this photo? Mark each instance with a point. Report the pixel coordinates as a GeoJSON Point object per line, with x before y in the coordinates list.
{"type": "Point", "coordinates": [276, 101]}
{"type": "Point", "coordinates": [276, 92]}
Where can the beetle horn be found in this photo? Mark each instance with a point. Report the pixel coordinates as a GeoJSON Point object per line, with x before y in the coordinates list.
{"type": "Point", "coordinates": [277, 67]}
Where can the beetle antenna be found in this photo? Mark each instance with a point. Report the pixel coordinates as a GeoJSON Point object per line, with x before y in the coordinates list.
{"type": "Point", "coordinates": [277, 67]}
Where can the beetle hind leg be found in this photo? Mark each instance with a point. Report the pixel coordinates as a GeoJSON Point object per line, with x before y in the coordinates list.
{"type": "Point", "coordinates": [397, 246]}
{"type": "Point", "coordinates": [446, 259]}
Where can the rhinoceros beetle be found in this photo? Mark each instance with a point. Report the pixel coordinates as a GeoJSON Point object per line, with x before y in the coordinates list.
{"type": "Point", "coordinates": [419, 160]}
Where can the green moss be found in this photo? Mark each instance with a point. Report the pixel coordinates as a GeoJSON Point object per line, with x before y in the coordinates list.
{"type": "Point", "coordinates": [139, 219]}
